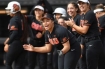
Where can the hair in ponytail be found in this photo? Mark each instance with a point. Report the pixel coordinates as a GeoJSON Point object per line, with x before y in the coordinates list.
{"type": "Point", "coordinates": [25, 28]}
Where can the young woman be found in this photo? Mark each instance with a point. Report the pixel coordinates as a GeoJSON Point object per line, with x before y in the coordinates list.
{"type": "Point", "coordinates": [99, 11]}
{"type": "Point", "coordinates": [17, 37]}
{"type": "Point", "coordinates": [45, 4]}
{"type": "Point", "coordinates": [74, 13]}
{"type": "Point", "coordinates": [61, 21]}
{"type": "Point", "coordinates": [89, 30]}
{"type": "Point", "coordinates": [59, 12]}
{"type": "Point", "coordinates": [67, 46]}
{"type": "Point", "coordinates": [36, 38]}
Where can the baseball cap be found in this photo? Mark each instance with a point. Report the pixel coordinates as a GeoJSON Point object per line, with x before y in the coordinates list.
{"type": "Point", "coordinates": [39, 7]}
{"type": "Point", "coordinates": [85, 1]}
{"type": "Point", "coordinates": [48, 16]}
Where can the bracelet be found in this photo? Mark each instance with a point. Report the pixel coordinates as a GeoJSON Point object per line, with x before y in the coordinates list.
{"type": "Point", "coordinates": [72, 24]}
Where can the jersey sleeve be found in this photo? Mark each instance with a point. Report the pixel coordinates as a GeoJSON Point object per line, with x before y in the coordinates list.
{"type": "Point", "coordinates": [102, 22]}
{"type": "Point", "coordinates": [63, 35]}
{"type": "Point", "coordinates": [88, 18]}
{"type": "Point", "coordinates": [13, 27]}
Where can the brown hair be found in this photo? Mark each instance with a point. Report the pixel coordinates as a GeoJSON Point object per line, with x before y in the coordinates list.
{"type": "Point", "coordinates": [75, 5]}
{"type": "Point", "coordinates": [100, 6]}
{"type": "Point", "coordinates": [25, 27]}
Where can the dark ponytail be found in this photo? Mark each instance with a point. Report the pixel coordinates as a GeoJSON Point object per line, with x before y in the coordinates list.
{"type": "Point", "coordinates": [25, 28]}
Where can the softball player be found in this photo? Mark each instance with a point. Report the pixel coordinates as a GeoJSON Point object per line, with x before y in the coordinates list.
{"type": "Point", "coordinates": [17, 37]}
{"type": "Point", "coordinates": [36, 38]}
{"type": "Point", "coordinates": [67, 46]}
{"type": "Point", "coordinates": [89, 30]}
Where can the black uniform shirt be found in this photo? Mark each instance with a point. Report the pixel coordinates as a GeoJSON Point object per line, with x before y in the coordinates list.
{"type": "Point", "coordinates": [33, 23]}
{"type": "Point", "coordinates": [59, 36]}
{"type": "Point", "coordinates": [15, 27]}
{"type": "Point", "coordinates": [102, 25]}
{"type": "Point", "coordinates": [77, 21]}
{"type": "Point", "coordinates": [90, 19]}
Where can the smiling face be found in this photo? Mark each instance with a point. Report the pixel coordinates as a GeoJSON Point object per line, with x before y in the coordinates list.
{"type": "Point", "coordinates": [48, 24]}
{"type": "Point", "coordinates": [84, 7]}
{"type": "Point", "coordinates": [71, 9]}
{"type": "Point", "coordinates": [57, 15]}
{"type": "Point", "coordinates": [38, 12]}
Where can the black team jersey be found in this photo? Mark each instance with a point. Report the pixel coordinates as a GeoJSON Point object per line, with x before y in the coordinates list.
{"type": "Point", "coordinates": [15, 28]}
{"type": "Point", "coordinates": [59, 36]}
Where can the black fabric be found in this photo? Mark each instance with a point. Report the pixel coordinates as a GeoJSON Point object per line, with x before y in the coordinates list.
{"type": "Point", "coordinates": [33, 40]}
{"type": "Point", "coordinates": [62, 35]}
{"type": "Point", "coordinates": [15, 54]}
{"type": "Point", "coordinates": [57, 37]}
{"type": "Point", "coordinates": [70, 59]}
{"type": "Point", "coordinates": [90, 20]}
{"type": "Point", "coordinates": [49, 16]}
{"type": "Point", "coordinates": [92, 42]}
{"type": "Point", "coordinates": [102, 25]}
{"type": "Point", "coordinates": [77, 21]}
{"type": "Point", "coordinates": [15, 29]}
{"type": "Point", "coordinates": [32, 32]}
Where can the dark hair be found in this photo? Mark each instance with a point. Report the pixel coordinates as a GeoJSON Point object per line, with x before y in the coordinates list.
{"type": "Point", "coordinates": [25, 27]}
{"type": "Point", "coordinates": [75, 5]}
{"type": "Point", "coordinates": [100, 6]}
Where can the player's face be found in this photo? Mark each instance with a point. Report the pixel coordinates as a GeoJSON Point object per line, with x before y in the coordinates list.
{"type": "Point", "coordinates": [38, 12]}
{"type": "Point", "coordinates": [62, 22]}
{"type": "Point", "coordinates": [57, 16]}
{"type": "Point", "coordinates": [98, 14]}
{"type": "Point", "coordinates": [83, 6]}
{"type": "Point", "coordinates": [71, 10]}
{"type": "Point", "coordinates": [47, 24]}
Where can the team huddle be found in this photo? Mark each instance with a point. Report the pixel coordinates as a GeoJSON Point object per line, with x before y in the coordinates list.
{"type": "Point", "coordinates": [64, 39]}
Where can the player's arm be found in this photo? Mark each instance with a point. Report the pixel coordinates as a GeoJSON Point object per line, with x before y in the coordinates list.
{"type": "Point", "coordinates": [43, 49]}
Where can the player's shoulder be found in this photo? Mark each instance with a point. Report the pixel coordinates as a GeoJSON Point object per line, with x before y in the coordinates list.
{"type": "Point", "coordinates": [102, 17]}
{"type": "Point", "coordinates": [60, 29]}
{"type": "Point", "coordinates": [90, 12]}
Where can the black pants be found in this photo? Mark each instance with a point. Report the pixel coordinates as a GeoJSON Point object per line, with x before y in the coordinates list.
{"type": "Point", "coordinates": [103, 42]}
{"type": "Point", "coordinates": [15, 54]}
{"type": "Point", "coordinates": [94, 54]}
{"type": "Point", "coordinates": [34, 57]}
{"type": "Point", "coordinates": [70, 59]}
{"type": "Point", "coordinates": [102, 64]}
{"type": "Point", "coordinates": [52, 59]}
{"type": "Point", "coordinates": [82, 60]}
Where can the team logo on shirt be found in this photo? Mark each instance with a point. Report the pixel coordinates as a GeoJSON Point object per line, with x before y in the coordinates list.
{"type": "Point", "coordinates": [83, 22]}
{"type": "Point", "coordinates": [36, 26]}
{"type": "Point", "coordinates": [53, 41]}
